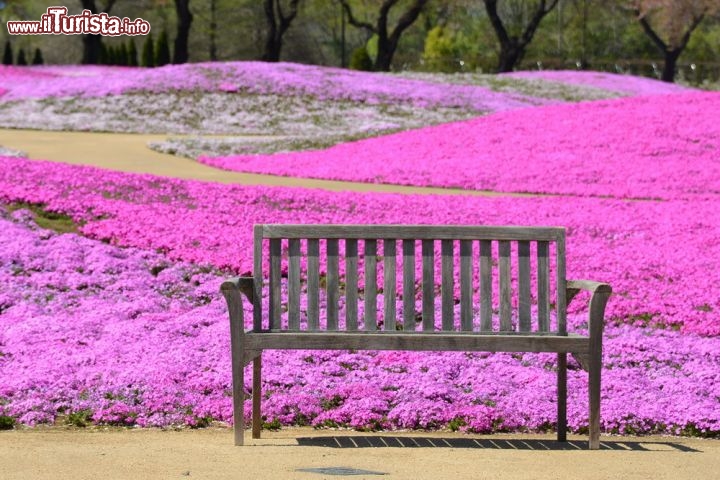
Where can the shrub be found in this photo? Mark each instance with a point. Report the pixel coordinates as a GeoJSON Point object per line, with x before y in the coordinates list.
{"type": "Point", "coordinates": [21, 60]}
{"type": "Point", "coordinates": [8, 55]}
{"type": "Point", "coordinates": [132, 54]}
{"type": "Point", "coordinates": [148, 52]}
{"type": "Point", "coordinates": [38, 57]}
{"type": "Point", "coordinates": [6, 422]}
{"type": "Point", "coordinates": [162, 52]}
{"type": "Point", "coordinates": [360, 60]}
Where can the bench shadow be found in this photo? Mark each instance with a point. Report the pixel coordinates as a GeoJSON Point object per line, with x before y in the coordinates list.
{"type": "Point", "coordinates": [495, 444]}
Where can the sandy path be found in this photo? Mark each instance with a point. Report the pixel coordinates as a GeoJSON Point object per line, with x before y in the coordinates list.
{"type": "Point", "coordinates": [128, 152]}
{"type": "Point", "coordinates": [61, 454]}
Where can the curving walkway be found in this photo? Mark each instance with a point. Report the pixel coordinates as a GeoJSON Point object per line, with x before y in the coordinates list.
{"type": "Point", "coordinates": [128, 152]}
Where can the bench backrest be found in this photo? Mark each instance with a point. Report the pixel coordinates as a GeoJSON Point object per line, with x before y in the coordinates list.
{"type": "Point", "coordinates": [475, 263]}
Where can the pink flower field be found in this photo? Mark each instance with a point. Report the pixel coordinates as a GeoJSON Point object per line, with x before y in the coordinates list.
{"type": "Point", "coordinates": [641, 147]}
{"type": "Point", "coordinates": [122, 323]}
{"type": "Point", "coordinates": [662, 354]}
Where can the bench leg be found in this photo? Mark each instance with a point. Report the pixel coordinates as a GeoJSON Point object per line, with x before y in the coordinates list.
{"type": "Point", "coordinates": [257, 397]}
{"type": "Point", "coordinates": [594, 389]}
{"type": "Point", "coordinates": [562, 397]}
{"type": "Point", "coordinates": [238, 401]}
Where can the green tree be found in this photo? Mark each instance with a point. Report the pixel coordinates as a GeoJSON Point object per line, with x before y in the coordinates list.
{"type": "Point", "coordinates": [111, 55]}
{"type": "Point", "coordinates": [21, 60]}
{"type": "Point", "coordinates": [8, 55]}
{"type": "Point", "coordinates": [445, 50]}
{"type": "Point", "coordinates": [517, 30]}
{"type": "Point", "coordinates": [277, 20]}
{"type": "Point", "coordinates": [122, 55]}
{"type": "Point", "coordinates": [162, 50]}
{"type": "Point", "coordinates": [148, 52]}
{"type": "Point", "coordinates": [38, 58]}
{"type": "Point", "coordinates": [132, 54]}
{"type": "Point", "coordinates": [387, 39]}
{"type": "Point", "coordinates": [669, 24]}
{"type": "Point", "coordinates": [92, 43]}
{"type": "Point", "coordinates": [360, 59]}
{"type": "Point", "coordinates": [184, 21]}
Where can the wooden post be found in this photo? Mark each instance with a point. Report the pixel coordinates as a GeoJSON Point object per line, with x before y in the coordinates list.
{"type": "Point", "coordinates": [562, 397]}
{"type": "Point", "coordinates": [231, 291]}
{"type": "Point", "coordinates": [257, 397]}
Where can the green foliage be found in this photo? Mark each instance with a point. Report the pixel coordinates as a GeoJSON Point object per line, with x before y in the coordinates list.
{"type": "Point", "coordinates": [57, 222]}
{"type": "Point", "coordinates": [273, 425]}
{"type": "Point", "coordinates": [103, 56]}
{"type": "Point", "coordinates": [21, 60]}
{"type": "Point", "coordinates": [456, 424]}
{"type": "Point", "coordinates": [360, 60]}
{"type": "Point", "coordinates": [372, 47]}
{"type": "Point", "coordinates": [122, 56]}
{"type": "Point", "coordinates": [111, 55]}
{"type": "Point", "coordinates": [81, 418]}
{"type": "Point", "coordinates": [8, 55]}
{"type": "Point", "coordinates": [38, 57]}
{"type": "Point", "coordinates": [6, 422]}
{"type": "Point", "coordinates": [447, 51]}
{"type": "Point", "coordinates": [132, 54]}
{"type": "Point", "coordinates": [162, 51]}
{"type": "Point", "coordinates": [148, 52]}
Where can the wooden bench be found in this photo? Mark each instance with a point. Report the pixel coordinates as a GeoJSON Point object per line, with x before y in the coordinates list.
{"type": "Point", "coordinates": [475, 262]}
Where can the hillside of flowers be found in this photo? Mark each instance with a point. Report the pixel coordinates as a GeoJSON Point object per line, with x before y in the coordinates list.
{"type": "Point", "coordinates": [639, 147]}
{"type": "Point", "coordinates": [256, 98]}
{"type": "Point", "coordinates": [243, 98]}
{"type": "Point", "coordinates": [612, 82]}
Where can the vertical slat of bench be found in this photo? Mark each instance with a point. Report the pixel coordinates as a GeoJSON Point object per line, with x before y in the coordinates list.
{"type": "Point", "coordinates": [332, 284]}
{"type": "Point", "coordinates": [485, 286]}
{"type": "Point", "coordinates": [428, 285]}
{"type": "Point", "coordinates": [543, 296]}
{"type": "Point", "coordinates": [370, 284]}
{"type": "Point", "coordinates": [560, 285]}
{"type": "Point", "coordinates": [466, 286]}
{"type": "Point", "coordinates": [275, 283]}
{"type": "Point", "coordinates": [258, 277]}
{"type": "Point", "coordinates": [313, 285]}
{"type": "Point", "coordinates": [351, 284]}
{"type": "Point", "coordinates": [389, 283]}
{"type": "Point", "coordinates": [524, 285]}
{"type": "Point", "coordinates": [294, 284]}
{"type": "Point", "coordinates": [408, 285]}
{"type": "Point", "coordinates": [505, 290]}
{"type": "Point", "coordinates": [447, 285]}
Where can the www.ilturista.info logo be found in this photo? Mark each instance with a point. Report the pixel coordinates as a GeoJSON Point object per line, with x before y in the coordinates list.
{"type": "Point", "coordinates": [56, 21]}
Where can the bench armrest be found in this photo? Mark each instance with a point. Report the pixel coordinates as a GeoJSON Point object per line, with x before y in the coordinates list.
{"type": "Point", "coordinates": [242, 284]}
{"type": "Point", "coordinates": [600, 294]}
{"type": "Point", "coordinates": [575, 286]}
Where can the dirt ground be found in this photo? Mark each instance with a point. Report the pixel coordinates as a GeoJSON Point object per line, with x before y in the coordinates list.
{"type": "Point", "coordinates": [59, 453]}
{"type": "Point", "coordinates": [128, 152]}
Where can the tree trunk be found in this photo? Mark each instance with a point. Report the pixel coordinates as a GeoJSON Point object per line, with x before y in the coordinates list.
{"type": "Point", "coordinates": [510, 56]}
{"type": "Point", "coordinates": [184, 21]}
{"type": "Point", "coordinates": [272, 49]}
{"type": "Point", "coordinates": [92, 45]}
{"type": "Point", "coordinates": [671, 58]}
{"type": "Point", "coordinates": [213, 31]}
{"type": "Point", "coordinates": [384, 57]}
